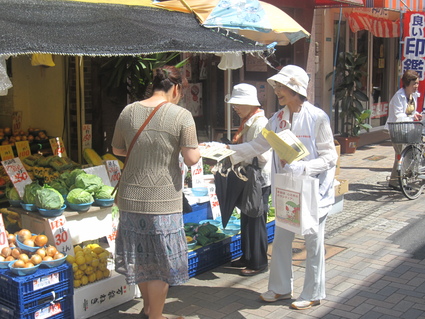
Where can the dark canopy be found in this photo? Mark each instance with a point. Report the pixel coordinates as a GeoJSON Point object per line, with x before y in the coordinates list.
{"type": "Point", "coordinates": [79, 28]}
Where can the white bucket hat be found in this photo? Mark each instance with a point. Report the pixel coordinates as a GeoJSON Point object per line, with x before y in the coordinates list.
{"type": "Point", "coordinates": [293, 77]}
{"type": "Point", "coordinates": [243, 94]}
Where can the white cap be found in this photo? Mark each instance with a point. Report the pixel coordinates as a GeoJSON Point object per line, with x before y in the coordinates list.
{"type": "Point", "coordinates": [293, 77]}
{"type": "Point", "coordinates": [243, 94]}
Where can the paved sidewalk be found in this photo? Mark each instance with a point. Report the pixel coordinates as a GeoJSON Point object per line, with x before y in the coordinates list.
{"type": "Point", "coordinates": [371, 272]}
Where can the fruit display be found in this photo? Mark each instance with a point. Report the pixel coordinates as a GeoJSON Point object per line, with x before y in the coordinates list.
{"type": "Point", "coordinates": [89, 264]}
{"type": "Point", "coordinates": [35, 253]}
{"type": "Point", "coordinates": [7, 137]}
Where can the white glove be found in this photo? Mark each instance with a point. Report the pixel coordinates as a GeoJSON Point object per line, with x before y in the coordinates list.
{"type": "Point", "coordinates": [296, 168]}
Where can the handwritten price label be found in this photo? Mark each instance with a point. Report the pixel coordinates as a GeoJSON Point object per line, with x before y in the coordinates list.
{"type": "Point", "coordinates": [87, 136]}
{"type": "Point", "coordinates": [23, 149]}
{"type": "Point", "coordinates": [113, 235]}
{"type": "Point", "coordinates": [60, 232]}
{"type": "Point", "coordinates": [114, 171]}
{"type": "Point", "coordinates": [17, 174]}
{"type": "Point", "coordinates": [215, 205]}
{"type": "Point", "coordinates": [58, 148]}
{"type": "Point", "coordinates": [6, 152]}
{"type": "Point", "coordinates": [3, 236]}
{"type": "Point", "coordinates": [197, 174]}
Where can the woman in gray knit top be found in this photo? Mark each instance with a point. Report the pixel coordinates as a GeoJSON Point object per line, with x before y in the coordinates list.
{"type": "Point", "coordinates": [151, 248]}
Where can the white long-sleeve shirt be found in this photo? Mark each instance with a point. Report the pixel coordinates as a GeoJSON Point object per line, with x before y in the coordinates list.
{"type": "Point", "coordinates": [311, 125]}
{"type": "Point", "coordinates": [398, 105]}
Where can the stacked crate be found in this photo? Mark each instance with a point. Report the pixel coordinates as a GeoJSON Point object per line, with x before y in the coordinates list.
{"type": "Point", "coordinates": [48, 293]}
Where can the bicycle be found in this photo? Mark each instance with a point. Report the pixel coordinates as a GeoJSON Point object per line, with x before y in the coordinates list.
{"type": "Point", "coordinates": [411, 165]}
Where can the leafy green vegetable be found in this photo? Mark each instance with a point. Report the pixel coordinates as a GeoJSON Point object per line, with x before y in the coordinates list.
{"type": "Point", "coordinates": [89, 182]}
{"type": "Point", "coordinates": [30, 191]}
{"type": "Point", "coordinates": [79, 196]}
{"type": "Point", "coordinates": [12, 193]}
{"type": "Point", "coordinates": [60, 186]}
{"type": "Point", "coordinates": [104, 192]}
{"type": "Point", "coordinates": [72, 176]}
{"type": "Point", "coordinates": [48, 198]}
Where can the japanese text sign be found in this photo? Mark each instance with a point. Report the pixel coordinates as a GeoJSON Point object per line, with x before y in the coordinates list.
{"type": "Point", "coordinates": [87, 136]}
{"type": "Point", "coordinates": [3, 236]}
{"type": "Point", "coordinates": [197, 174]}
{"type": "Point", "coordinates": [58, 148]}
{"type": "Point", "coordinates": [6, 152]}
{"type": "Point", "coordinates": [414, 48]}
{"type": "Point", "coordinates": [60, 232]}
{"type": "Point", "coordinates": [23, 149]}
{"type": "Point", "coordinates": [17, 174]}
{"type": "Point", "coordinates": [114, 171]}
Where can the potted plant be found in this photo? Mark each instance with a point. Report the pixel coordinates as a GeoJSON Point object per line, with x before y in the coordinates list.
{"type": "Point", "coordinates": [349, 98]}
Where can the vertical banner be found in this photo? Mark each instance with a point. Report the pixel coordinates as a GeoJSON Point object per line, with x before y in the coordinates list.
{"type": "Point", "coordinates": [414, 48]}
{"type": "Point", "coordinates": [86, 136]}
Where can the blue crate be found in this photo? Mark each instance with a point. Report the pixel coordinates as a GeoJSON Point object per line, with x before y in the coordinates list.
{"type": "Point", "coordinates": [26, 293]}
{"type": "Point", "coordinates": [62, 308]}
{"type": "Point", "coordinates": [216, 254]}
{"type": "Point", "coordinates": [199, 212]}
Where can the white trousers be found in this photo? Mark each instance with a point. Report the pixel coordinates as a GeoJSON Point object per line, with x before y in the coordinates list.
{"type": "Point", "coordinates": [281, 278]}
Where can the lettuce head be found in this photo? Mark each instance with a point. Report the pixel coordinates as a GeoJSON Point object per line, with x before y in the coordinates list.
{"type": "Point", "coordinates": [89, 182]}
{"type": "Point", "coordinates": [48, 198]}
{"type": "Point", "coordinates": [72, 175]}
{"type": "Point", "coordinates": [12, 193]}
{"type": "Point", "coordinates": [79, 196]}
{"type": "Point", "coordinates": [30, 191]}
{"type": "Point", "coordinates": [104, 192]}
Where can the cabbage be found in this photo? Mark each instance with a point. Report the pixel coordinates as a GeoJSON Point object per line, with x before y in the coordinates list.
{"type": "Point", "coordinates": [104, 192]}
{"type": "Point", "coordinates": [48, 198]}
{"type": "Point", "coordinates": [72, 175]}
{"type": "Point", "coordinates": [30, 191]}
{"type": "Point", "coordinates": [60, 186]}
{"type": "Point", "coordinates": [79, 196]}
{"type": "Point", "coordinates": [12, 193]}
{"type": "Point", "coordinates": [89, 182]}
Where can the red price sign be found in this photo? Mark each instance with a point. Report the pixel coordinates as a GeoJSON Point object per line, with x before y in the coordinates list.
{"type": "Point", "coordinates": [58, 148]}
{"type": "Point", "coordinates": [23, 149]}
{"type": "Point", "coordinates": [6, 152]}
{"type": "Point", "coordinates": [17, 174]}
{"type": "Point", "coordinates": [60, 232]}
{"type": "Point", "coordinates": [3, 236]}
{"type": "Point", "coordinates": [197, 174]}
{"type": "Point", "coordinates": [86, 136]}
{"type": "Point", "coordinates": [114, 171]}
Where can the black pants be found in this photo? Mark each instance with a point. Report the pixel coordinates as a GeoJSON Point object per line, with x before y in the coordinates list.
{"type": "Point", "coordinates": [254, 237]}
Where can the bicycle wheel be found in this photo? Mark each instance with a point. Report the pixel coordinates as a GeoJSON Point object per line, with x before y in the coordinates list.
{"type": "Point", "coordinates": [409, 171]}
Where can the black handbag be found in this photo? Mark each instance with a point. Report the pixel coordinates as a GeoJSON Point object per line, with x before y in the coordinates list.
{"type": "Point", "coordinates": [251, 202]}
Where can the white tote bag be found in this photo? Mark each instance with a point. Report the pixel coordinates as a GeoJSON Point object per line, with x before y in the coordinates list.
{"type": "Point", "coordinates": [296, 201]}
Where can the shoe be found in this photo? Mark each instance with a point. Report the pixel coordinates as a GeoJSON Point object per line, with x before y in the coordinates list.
{"type": "Point", "coordinates": [238, 263]}
{"type": "Point", "coordinates": [304, 304]}
{"type": "Point", "coordinates": [252, 272]}
{"type": "Point", "coordinates": [271, 296]}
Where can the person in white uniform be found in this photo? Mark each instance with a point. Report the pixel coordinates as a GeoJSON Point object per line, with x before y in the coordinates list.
{"type": "Point", "coordinates": [311, 125]}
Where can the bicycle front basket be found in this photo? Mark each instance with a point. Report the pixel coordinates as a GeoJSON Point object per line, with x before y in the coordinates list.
{"type": "Point", "coordinates": [405, 132]}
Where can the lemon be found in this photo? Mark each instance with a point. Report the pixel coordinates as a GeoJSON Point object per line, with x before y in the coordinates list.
{"type": "Point", "coordinates": [79, 260]}
{"type": "Point", "coordinates": [86, 250]}
{"type": "Point", "coordinates": [84, 280]}
{"type": "Point", "coordinates": [106, 273]}
{"type": "Point", "coordinates": [70, 259]}
{"type": "Point", "coordinates": [103, 255]}
{"type": "Point", "coordinates": [98, 250]}
{"type": "Point", "coordinates": [74, 267]}
{"type": "Point", "coordinates": [88, 258]}
{"type": "Point", "coordinates": [102, 266]}
{"type": "Point", "coordinates": [89, 270]}
{"type": "Point", "coordinates": [92, 277]}
{"type": "Point", "coordinates": [82, 267]}
{"type": "Point", "coordinates": [78, 274]}
{"type": "Point", "coordinates": [77, 248]}
{"type": "Point", "coordinates": [77, 283]}
{"type": "Point", "coordinates": [99, 275]}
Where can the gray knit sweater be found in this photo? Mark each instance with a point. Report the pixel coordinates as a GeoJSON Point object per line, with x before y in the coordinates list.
{"type": "Point", "coordinates": [151, 181]}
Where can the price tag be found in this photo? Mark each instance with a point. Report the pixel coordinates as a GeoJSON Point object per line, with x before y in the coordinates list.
{"type": "Point", "coordinates": [61, 235]}
{"type": "Point", "coordinates": [215, 205]}
{"type": "Point", "coordinates": [3, 236]}
{"type": "Point", "coordinates": [23, 149]}
{"type": "Point", "coordinates": [114, 171]}
{"type": "Point", "coordinates": [16, 121]}
{"type": "Point", "coordinates": [6, 152]}
{"type": "Point", "coordinates": [113, 235]}
{"type": "Point", "coordinates": [58, 148]}
{"type": "Point", "coordinates": [17, 174]}
{"type": "Point", "coordinates": [197, 171]}
{"type": "Point", "coordinates": [87, 136]}
{"type": "Point", "coordinates": [49, 311]}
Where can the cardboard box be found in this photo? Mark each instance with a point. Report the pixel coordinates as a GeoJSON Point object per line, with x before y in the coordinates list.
{"type": "Point", "coordinates": [102, 295]}
{"type": "Point", "coordinates": [341, 186]}
{"type": "Point", "coordinates": [338, 163]}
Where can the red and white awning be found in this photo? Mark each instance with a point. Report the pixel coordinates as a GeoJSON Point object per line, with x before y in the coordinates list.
{"type": "Point", "coordinates": [337, 3]}
{"type": "Point", "coordinates": [379, 27]}
{"type": "Point", "coordinates": [397, 5]}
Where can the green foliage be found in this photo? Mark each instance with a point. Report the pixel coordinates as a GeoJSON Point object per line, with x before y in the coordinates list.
{"type": "Point", "coordinates": [79, 196]}
{"type": "Point", "coordinates": [105, 192]}
{"type": "Point", "coordinates": [348, 95]}
{"type": "Point", "coordinates": [135, 72]}
{"type": "Point", "coordinates": [89, 182]}
{"type": "Point", "coordinates": [49, 198]}
{"type": "Point", "coordinates": [30, 192]}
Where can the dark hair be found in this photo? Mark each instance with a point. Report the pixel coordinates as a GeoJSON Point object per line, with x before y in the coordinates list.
{"type": "Point", "coordinates": [167, 76]}
{"type": "Point", "coordinates": [408, 77]}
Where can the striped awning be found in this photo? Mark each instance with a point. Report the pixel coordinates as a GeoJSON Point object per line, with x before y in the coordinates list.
{"type": "Point", "coordinates": [397, 5]}
{"type": "Point", "coordinates": [337, 3]}
{"type": "Point", "coordinates": [379, 27]}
